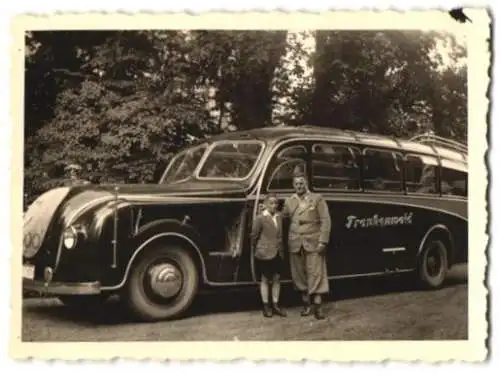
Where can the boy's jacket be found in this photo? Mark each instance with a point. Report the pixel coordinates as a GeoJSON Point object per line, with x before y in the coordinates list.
{"type": "Point", "coordinates": [266, 237]}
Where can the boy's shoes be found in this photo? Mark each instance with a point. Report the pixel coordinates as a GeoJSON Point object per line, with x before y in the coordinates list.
{"type": "Point", "coordinates": [267, 311]}
{"type": "Point", "coordinates": [318, 312]}
{"type": "Point", "coordinates": [279, 311]}
{"type": "Point", "coordinates": [306, 310]}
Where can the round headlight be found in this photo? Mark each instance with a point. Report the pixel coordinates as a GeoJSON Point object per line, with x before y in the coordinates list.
{"type": "Point", "coordinates": [69, 238]}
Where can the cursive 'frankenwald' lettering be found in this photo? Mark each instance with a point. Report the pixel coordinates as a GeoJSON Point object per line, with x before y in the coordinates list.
{"type": "Point", "coordinates": [378, 221]}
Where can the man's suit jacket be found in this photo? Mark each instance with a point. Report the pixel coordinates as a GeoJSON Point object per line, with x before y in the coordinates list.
{"type": "Point", "coordinates": [267, 237]}
{"type": "Point", "coordinates": [309, 223]}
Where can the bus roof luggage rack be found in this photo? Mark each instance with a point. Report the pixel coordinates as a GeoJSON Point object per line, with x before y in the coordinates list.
{"type": "Point", "coordinates": [440, 141]}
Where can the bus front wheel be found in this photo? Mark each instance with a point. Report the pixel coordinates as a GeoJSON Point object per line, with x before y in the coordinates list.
{"type": "Point", "coordinates": [433, 263]}
{"type": "Point", "coordinates": [162, 284]}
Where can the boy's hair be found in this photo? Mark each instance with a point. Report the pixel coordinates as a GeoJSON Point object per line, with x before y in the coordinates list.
{"type": "Point", "coordinates": [270, 196]}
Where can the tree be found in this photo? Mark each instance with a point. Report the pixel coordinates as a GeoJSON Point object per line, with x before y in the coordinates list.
{"type": "Point", "coordinates": [293, 81]}
{"type": "Point", "coordinates": [390, 82]}
{"type": "Point", "coordinates": [129, 99]}
{"type": "Point", "coordinates": [240, 66]}
{"type": "Point", "coordinates": [449, 103]}
{"type": "Point", "coordinates": [362, 76]}
{"type": "Point", "coordinates": [134, 105]}
{"type": "Point", "coordinates": [121, 102]}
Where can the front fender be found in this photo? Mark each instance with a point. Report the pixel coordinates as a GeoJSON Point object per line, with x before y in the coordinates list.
{"type": "Point", "coordinates": [167, 226]}
{"type": "Point", "coordinates": [151, 233]}
{"type": "Point", "coordinates": [441, 231]}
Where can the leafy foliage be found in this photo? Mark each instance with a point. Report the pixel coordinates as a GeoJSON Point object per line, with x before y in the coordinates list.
{"type": "Point", "coordinates": [382, 82]}
{"type": "Point", "coordinates": [121, 102]}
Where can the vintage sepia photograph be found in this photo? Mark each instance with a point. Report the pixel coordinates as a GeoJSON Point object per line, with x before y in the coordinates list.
{"type": "Point", "coordinates": [238, 183]}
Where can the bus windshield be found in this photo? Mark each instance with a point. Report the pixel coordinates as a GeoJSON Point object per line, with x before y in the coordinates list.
{"type": "Point", "coordinates": [184, 164]}
{"type": "Point", "coordinates": [233, 160]}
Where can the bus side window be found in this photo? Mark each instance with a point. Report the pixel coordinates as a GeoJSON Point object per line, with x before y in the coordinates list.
{"type": "Point", "coordinates": [421, 174]}
{"type": "Point", "coordinates": [453, 181]}
{"type": "Point", "coordinates": [335, 167]}
{"type": "Point", "coordinates": [283, 165]}
{"type": "Point", "coordinates": [382, 170]}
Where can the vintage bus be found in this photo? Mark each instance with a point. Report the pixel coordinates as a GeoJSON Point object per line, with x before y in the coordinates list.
{"type": "Point", "coordinates": [397, 206]}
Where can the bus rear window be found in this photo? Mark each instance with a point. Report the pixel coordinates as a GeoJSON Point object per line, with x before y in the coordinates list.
{"type": "Point", "coordinates": [453, 180]}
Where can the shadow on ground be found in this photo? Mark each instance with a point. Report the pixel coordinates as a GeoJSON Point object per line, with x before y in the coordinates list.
{"type": "Point", "coordinates": [347, 289]}
{"type": "Point", "coordinates": [242, 300]}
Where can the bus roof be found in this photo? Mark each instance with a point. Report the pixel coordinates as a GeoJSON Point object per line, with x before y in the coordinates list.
{"type": "Point", "coordinates": [424, 144]}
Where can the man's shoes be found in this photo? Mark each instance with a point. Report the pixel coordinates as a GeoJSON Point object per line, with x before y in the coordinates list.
{"type": "Point", "coordinates": [319, 313]}
{"type": "Point", "coordinates": [279, 311]}
{"type": "Point", "coordinates": [267, 311]}
{"type": "Point", "coordinates": [306, 311]}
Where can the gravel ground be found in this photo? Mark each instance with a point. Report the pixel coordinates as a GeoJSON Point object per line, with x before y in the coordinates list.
{"type": "Point", "coordinates": [362, 309]}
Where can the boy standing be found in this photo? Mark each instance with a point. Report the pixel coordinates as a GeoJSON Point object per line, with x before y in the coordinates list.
{"type": "Point", "coordinates": [267, 243]}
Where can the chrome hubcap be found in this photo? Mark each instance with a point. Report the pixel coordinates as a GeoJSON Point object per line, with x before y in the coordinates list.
{"type": "Point", "coordinates": [165, 280]}
{"type": "Point", "coordinates": [433, 262]}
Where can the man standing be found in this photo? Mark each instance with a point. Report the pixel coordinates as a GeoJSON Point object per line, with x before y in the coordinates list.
{"type": "Point", "coordinates": [308, 237]}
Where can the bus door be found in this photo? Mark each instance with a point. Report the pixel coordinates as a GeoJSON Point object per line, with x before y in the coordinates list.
{"type": "Point", "coordinates": [278, 180]}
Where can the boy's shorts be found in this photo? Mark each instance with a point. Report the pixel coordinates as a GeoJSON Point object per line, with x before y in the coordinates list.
{"type": "Point", "coordinates": [268, 268]}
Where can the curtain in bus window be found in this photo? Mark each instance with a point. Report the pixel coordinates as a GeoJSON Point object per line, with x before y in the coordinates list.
{"type": "Point", "coordinates": [382, 170]}
{"type": "Point", "coordinates": [420, 174]}
{"type": "Point", "coordinates": [335, 167]}
{"type": "Point", "coordinates": [453, 178]}
{"type": "Point", "coordinates": [283, 166]}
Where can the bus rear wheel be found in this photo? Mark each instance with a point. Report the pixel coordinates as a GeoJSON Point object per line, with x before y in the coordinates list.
{"type": "Point", "coordinates": [162, 284]}
{"type": "Point", "coordinates": [433, 263]}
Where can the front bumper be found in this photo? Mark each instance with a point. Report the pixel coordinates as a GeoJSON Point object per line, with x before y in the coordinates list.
{"type": "Point", "coordinates": [62, 288]}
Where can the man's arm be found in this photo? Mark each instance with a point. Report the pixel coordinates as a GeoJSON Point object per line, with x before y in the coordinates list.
{"type": "Point", "coordinates": [325, 221]}
{"type": "Point", "coordinates": [285, 212]}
